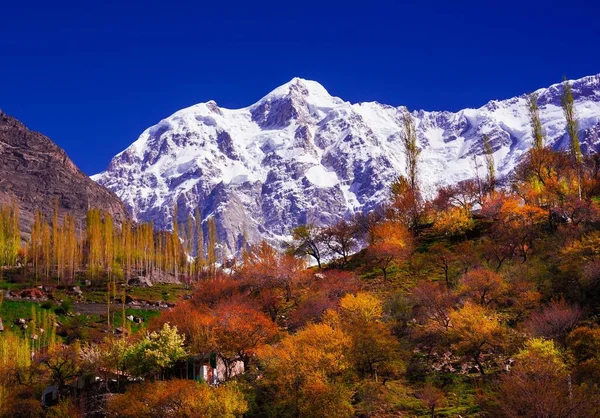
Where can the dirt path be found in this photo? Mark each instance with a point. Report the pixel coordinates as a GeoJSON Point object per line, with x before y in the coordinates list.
{"type": "Point", "coordinates": [100, 308]}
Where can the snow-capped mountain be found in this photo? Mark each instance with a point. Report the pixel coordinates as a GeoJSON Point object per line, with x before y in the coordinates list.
{"type": "Point", "coordinates": [299, 155]}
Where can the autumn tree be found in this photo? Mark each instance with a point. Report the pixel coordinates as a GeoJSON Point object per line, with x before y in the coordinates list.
{"type": "Point", "coordinates": [324, 291]}
{"type": "Point", "coordinates": [239, 330]}
{"type": "Point", "coordinates": [340, 239]}
{"type": "Point", "coordinates": [444, 259]}
{"type": "Point", "coordinates": [94, 241]}
{"type": "Point", "coordinates": [178, 398]}
{"type": "Point", "coordinates": [175, 243]}
{"type": "Point", "coordinates": [517, 225]}
{"type": "Point", "coordinates": [522, 297]}
{"type": "Point", "coordinates": [411, 150]}
{"type": "Point", "coordinates": [432, 398]}
{"type": "Point", "coordinates": [464, 194]}
{"type": "Point", "coordinates": [307, 242]}
{"type": "Point", "coordinates": [453, 222]}
{"type": "Point", "coordinates": [584, 345]}
{"type": "Point", "coordinates": [195, 324]}
{"type": "Point", "coordinates": [483, 286]}
{"type": "Point", "coordinates": [304, 374]}
{"type": "Point", "coordinates": [477, 333]}
{"type": "Point", "coordinates": [467, 256]}
{"type": "Point", "coordinates": [10, 237]}
{"type": "Point", "coordinates": [114, 355]}
{"type": "Point", "coordinates": [433, 303]}
{"type": "Point", "coordinates": [373, 348]}
{"type": "Point", "coordinates": [63, 363]}
{"type": "Point", "coordinates": [56, 242]}
{"type": "Point", "coordinates": [392, 242]}
{"type": "Point", "coordinates": [539, 385]}
{"type": "Point", "coordinates": [366, 222]}
{"type": "Point", "coordinates": [406, 193]}
{"type": "Point", "coordinates": [406, 205]}
{"type": "Point", "coordinates": [200, 255]}
{"type": "Point", "coordinates": [580, 260]}
{"type": "Point", "coordinates": [268, 268]}
{"type": "Point", "coordinates": [554, 321]}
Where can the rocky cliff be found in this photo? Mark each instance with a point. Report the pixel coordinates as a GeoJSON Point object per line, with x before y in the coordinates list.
{"type": "Point", "coordinates": [34, 172]}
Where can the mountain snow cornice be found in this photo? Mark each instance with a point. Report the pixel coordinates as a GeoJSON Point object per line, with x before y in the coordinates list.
{"type": "Point", "coordinates": [300, 156]}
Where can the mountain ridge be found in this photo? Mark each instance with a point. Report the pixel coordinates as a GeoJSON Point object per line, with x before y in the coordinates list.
{"type": "Point", "coordinates": [300, 155]}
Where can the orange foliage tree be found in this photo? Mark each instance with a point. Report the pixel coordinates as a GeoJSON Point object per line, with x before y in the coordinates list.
{"type": "Point", "coordinates": [178, 398]}
{"type": "Point", "coordinates": [304, 374]}
{"type": "Point", "coordinates": [483, 286]}
{"type": "Point", "coordinates": [392, 242]}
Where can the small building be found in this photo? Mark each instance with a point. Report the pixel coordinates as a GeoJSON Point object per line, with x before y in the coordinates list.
{"type": "Point", "coordinates": [208, 368]}
{"type": "Point", "coordinates": [50, 396]}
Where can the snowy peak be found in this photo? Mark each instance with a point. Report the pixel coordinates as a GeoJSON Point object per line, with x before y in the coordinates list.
{"type": "Point", "coordinates": [310, 91]}
{"type": "Point", "coordinates": [300, 155]}
{"type": "Point", "coordinates": [299, 100]}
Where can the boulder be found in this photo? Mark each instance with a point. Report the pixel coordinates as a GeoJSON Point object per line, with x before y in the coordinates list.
{"type": "Point", "coordinates": [140, 281]}
{"type": "Point", "coordinates": [159, 276]}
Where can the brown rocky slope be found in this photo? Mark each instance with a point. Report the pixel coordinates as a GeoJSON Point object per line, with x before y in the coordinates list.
{"type": "Point", "coordinates": [34, 172]}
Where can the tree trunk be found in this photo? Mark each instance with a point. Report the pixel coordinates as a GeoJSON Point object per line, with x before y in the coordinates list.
{"type": "Point", "coordinates": [478, 362]}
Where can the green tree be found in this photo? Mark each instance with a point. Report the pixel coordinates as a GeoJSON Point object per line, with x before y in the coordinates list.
{"type": "Point", "coordinates": [156, 352]}
{"type": "Point", "coordinates": [411, 196]}
{"type": "Point", "coordinates": [572, 128]}
{"type": "Point", "coordinates": [572, 125]}
{"type": "Point", "coordinates": [537, 131]}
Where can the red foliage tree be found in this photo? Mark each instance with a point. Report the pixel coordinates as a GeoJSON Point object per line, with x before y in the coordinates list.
{"type": "Point", "coordinates": [238, 330]}
{"type": "Point", "coordinates": [554, 321]}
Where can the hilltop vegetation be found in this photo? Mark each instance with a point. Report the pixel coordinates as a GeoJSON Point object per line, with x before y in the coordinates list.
{"type": "Point", "coordinates": [481, 302]}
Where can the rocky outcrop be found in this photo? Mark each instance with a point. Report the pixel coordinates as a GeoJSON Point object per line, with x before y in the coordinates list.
{"type": "Point", "coordinates": [35, 172]}
{"type": "Point", "coordinates": [300, 155]}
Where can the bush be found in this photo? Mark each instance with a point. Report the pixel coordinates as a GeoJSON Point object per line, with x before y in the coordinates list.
{"type": "Point", "coordinates": [65, 307]}
{"type": "Point", "coordinates": [47, 305]}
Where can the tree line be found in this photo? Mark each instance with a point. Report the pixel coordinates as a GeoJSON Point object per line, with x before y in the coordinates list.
{"type": "Point", "coordinates": [61, 248]}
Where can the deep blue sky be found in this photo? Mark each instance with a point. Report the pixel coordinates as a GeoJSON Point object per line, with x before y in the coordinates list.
{"type": "Point", "coordinates": [94, 75]}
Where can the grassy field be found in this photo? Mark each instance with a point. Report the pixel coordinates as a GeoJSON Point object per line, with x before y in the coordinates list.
{"type": "Point", "coordinates": [86, 318]}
